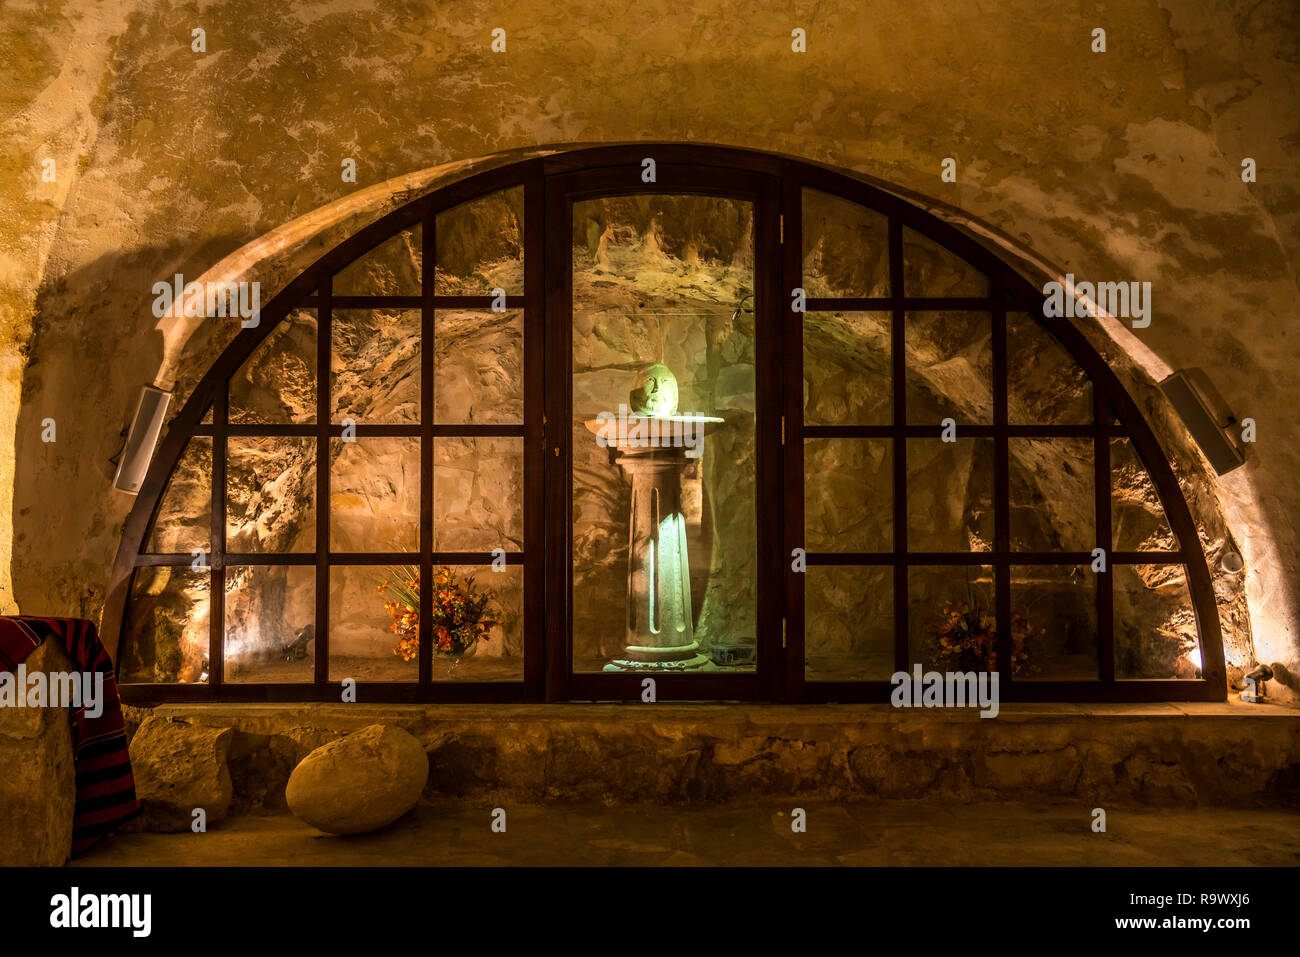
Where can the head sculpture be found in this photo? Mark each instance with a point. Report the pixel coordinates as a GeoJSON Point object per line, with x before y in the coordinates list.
{"type": "Point", "coordinates": [655, 391]}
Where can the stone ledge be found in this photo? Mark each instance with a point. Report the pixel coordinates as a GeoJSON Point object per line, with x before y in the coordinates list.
{"type": "Point", "coordinates": [746, 712]}
{"type": "Point", "coordinates": [1157, 754]}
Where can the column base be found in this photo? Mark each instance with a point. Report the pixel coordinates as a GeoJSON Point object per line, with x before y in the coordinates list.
{"type": "Point", "coordinates": [644, 658]}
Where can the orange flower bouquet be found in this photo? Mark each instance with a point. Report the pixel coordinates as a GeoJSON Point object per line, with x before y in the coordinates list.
{"type": "Point", "coordinates": [460, 612]}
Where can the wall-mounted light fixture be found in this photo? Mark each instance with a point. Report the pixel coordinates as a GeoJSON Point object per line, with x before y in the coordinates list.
{"type": "Point", "coordinates": [1231, 560]}
{"type": "Point", "coordinates": [1207, 417]}
{"type": "Point", "coordinates": [1254, 691]}
{"type": "Point", "coordinates": [146, 426]}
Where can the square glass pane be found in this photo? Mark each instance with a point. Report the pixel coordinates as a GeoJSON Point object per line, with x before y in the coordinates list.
{"type": "Point", "coordinates": [375, 622]}
{"type": "Point", "coordinates": [489, 647]}
{"type": "Point", "coordinates": [270, 494]}
{"type": "Point", "coordinates": [1054, 622]}
{"type": "Point", "coordinates": [1045, 386]}
{"type": "Point", "coordinates": [478, 494]}
{"type": "Point", "coordinates": [952, 619]}
{"type": "Point", "coordinates": [276, 385]}
{"type": "Point", "coordinates": [481, 246]}
{"type": "Point", "coordinates": [845, 248]}
{"type": "Point", "coordinates": [848, 495]}
{"type": "Point", "coordinates": [1053, 507]}
{"type": "Point", "coordinates": [1155, 623]}
{"type": "Point", "coordinates": [165, 635]}
{"type": "Point", "coordinates": [375, 366]}
{"type": "Point", "coordinates": [931, 271]}
{"type": "Point", "coordinates": [478, 367]}
{"type": "Point", "coordinates": [847, 376]}
{"type": "Point", "coordinates": [374, 494]}
{"type": "Point", "coordinates": [949, 368]}
{"type": "Point", "coordinates": [390, 269]}
{"type": "Point", "coordinates": [184, 519]}
{"type": "Point", "coordinates": [949, 495]}
{"type": "Point", "coordinates": [848, 623]}
{"type": "Point", "coordinates": [664, 480]}
{"type": "Point", "coordinates": [1138, 521]}
{"type": "Point", "coordinates": [270, 623]}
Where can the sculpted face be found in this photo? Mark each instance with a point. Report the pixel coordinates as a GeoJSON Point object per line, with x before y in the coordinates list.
{"type": "Point", "coordinates": [655, 391]}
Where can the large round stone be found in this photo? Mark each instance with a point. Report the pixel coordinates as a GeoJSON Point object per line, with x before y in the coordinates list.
{"type": "Point", "coordinates": [360, 782]}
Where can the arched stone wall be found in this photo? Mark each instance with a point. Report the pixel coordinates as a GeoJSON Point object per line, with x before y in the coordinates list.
{"type": "Point", "coordinates": [1124, 165]}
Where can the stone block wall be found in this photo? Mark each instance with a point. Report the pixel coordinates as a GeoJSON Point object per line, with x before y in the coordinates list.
{"type": "Point", "coordinates": [1155, 755]}
{"type": "Point", "coordinates": [37, 777]}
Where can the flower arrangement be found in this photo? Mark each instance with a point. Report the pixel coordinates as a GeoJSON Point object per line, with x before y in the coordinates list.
{"type": "Point", "coordinates": [966, 639]}
{"type": "Point", "coordinates": [460, 617]}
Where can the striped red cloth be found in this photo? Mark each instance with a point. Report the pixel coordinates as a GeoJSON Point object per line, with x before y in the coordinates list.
{"type": "Point", "coordinates": [105, 786]}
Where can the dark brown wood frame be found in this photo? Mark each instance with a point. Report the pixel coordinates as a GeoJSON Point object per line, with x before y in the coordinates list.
{"type": "Point", "coordinates": [774, 185]}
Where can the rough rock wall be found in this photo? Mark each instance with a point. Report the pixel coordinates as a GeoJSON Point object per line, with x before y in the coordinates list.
{"type": "Point", "coordinates": [37, 791]}
{"type": "Point", "coordinates": [1122, 165]}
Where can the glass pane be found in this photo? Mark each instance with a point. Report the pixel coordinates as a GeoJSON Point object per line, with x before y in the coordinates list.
{"type": "Point", "coordinates": [949, 495]}
{"type": "Point", "coordinates": [390, 269]}
{"type": "Point", "coordinates": [207, 417]}
{"type": "Point", "coordinates": [165, 633]}
{"type": "Point", "coordinates": [664, 523]}
{"type": "Point", "coordinates": [1053, 508]}
{"type": "Point", "coordinates": [847, 376]}
{"type": "Point", "coordinates": [951, 620]}
{"type": "Point", "coordinates": [848, 623]}
{"type": "Point", "coordinates": [949, 367]}
{"type": "Point", "coordinates": [1138, 522]}
{"type": "Point", "coordinates": [481, 246]}
{"type": "Point", "coordinates": [374, 494]}
{"type": "Point", "coordinates": [845, 248]}
{"type": "Point", "coordinates": [1054, 622]}
{"type": "Point", "coordinates": [277, 383]}
{"type": "Point", "coordinates": [375, 622]}
{"type": "Point", "coordinates": [1155, 623]}
{"type": "Point", "coordinates": [848, 495]}
{"type": "Point", "coordinates": [184, 520]}
{"type": "Point", "coordinates": [478, 367]}
{"type": "Point", "coordinates": [375, 366]}
{"type": "Point", "coordinates": [491, 646]}
{"type": "Point", "coordinates": [270, 623]}
{"type": "Point", "coordinates": [1045, 386]}
{"type": "Point", "coordinates": [931, 271]}
{"type": "Point", "coordinates": [271, 494]}
{"type": "Point", "coordinates": [478, 494]}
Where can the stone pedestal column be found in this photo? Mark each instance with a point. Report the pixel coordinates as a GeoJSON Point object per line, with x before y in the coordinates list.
{"type": "Point", "coordinates": [660, 630]}
{"type": "Point", "coordinates": [652, 451]}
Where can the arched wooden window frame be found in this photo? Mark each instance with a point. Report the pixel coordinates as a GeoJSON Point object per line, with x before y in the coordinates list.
{"type": "Point", "coordinates": [682, 168]}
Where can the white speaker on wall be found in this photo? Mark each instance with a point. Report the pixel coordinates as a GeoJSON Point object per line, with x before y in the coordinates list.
{"type": "Point", "coordinates": [1207, 416]}
{"type": "Point", "coordinates": [142, 438]}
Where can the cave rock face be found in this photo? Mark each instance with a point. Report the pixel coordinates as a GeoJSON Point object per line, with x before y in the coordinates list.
{"type": "Point", "coordinates": [360, 782]}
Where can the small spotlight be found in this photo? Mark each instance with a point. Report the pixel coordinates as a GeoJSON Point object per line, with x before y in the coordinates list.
{"type": "Point", "coordinates": [1254, 691]}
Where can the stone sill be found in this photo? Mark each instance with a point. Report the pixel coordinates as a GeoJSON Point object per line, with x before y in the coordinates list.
{"type": "Point", "coordinates": [743, 712]}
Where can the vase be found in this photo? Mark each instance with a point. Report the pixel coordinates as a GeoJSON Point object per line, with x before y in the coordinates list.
{"type": "Point", "coordinates": [454, 658]}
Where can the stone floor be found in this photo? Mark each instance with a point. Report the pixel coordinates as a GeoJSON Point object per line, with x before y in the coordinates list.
{"type": "Point", "coordinates": [742, 833]}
